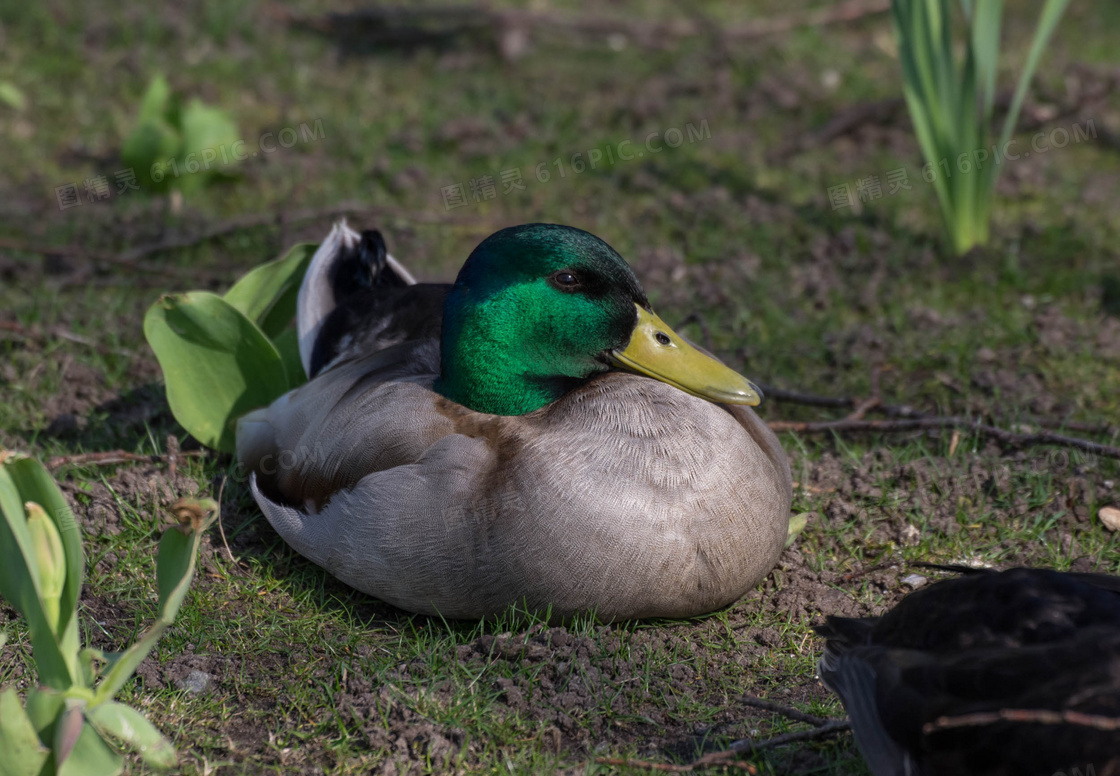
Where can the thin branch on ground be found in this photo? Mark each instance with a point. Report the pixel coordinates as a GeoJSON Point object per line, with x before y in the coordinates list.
{"type": "Point", "coordinates": [41, 337]}
{"type": "Point", "coordinates": [807, 399]}
{"type": "Point", "coordinates": [1033, 716]}
{"type": "Point", "coordinates": [1011, 438]}
{"type": "Point", "coordinates": [132, 258]}
{"type": "Point", "coordinates": [110, 457]}
{"type": "Point", "coordinates": [748, 746]}
{"type": "Point", "coordinates": [844, 122]}
{"type": "Point", "coordinates": [786, 711]}
{"type": "Point", "coordinates": [851, 576]}
{"type": "Point", "coordinates": [651, 765]}
{"type": "Point", "coordinates": [823, 727]}
{"type": "Point", "coordinates": [222, 530]}
{"type": "Point", "coordinates": [1054, 109]}
{"type": "Point", "coordinates": [79, 251]}
{"type": "Point", "coordinates": [903, 417]}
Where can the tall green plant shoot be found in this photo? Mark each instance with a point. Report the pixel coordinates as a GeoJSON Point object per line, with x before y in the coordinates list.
{"type": "Point", "coordinates": [951, 103]}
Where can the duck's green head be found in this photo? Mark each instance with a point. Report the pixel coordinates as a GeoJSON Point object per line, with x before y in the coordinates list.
{"type": "Point", "coordinates": [540, 308]}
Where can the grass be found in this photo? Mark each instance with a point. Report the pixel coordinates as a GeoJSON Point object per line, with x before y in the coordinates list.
{"type": "Point", "coordinates": [310, 675]}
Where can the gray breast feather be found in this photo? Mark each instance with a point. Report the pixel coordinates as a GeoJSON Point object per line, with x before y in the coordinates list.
{"type": "Point", "coordinates": [627, 497]}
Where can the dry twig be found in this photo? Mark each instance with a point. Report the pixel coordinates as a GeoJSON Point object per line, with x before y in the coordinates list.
{"type": "Point", "coordinates": [41, 337]}
{"type": "Point", "coordinates": [786, 711]}
{"type": "Point", "coordinates": [1035, 716]}
{"type": "Point", "coordinates": [747, 746]}
{"type": "Point", "coordinates": [651, 765]}
{"type": "Point", "coordinates": [111, 457]}
{"type": "Point", "coordinates": [221, 530]}
{"type": "Point", "coordinates": [1012, 438]}
{"type": "Point", "coordinates": [822, 728]}
{"type": "Point", "coordinates": [132, 258]}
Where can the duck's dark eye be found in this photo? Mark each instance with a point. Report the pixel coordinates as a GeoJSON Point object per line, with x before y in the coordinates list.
{"type": "Point", "coordinates": [565, 280]}
{"type": "Point", "coordinates": [663, 338]}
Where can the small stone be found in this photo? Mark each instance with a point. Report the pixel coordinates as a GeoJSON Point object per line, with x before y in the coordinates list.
{"type": "Point", "coordinates": [1110, 516]}
{"type": "Point", "coordinates": [914, 581]}
{"type": "Point", "coordinates": [909, 534]}
{"type": "Point", "coordinates": [985, 354]}
{"type": "Point", "coordinates": [196, 683]}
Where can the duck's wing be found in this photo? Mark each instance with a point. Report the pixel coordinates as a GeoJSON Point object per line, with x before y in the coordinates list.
{"type": "Point", "coordinates": [365, 414]}
{"type": "Point", "coordinates": [1020, 606]}
{"type": "Point", "coordinates": [356, 299]}
{"type": "Point", "coordinates": [991, 645]}
{"type": "Point", "coordinates": [845, 669]}
{"type": "Point", "coordinates": [991, 711]}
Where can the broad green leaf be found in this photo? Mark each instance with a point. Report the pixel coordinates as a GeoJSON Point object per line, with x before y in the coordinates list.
{"type": "Point", "coordinates": [216, 363]}
{"type": "Point", "coordinates": [18, 580]}
{"type": "Point", "coordinates": [123, 723]}
{"type": "Point", "coordinates": [43, 708]}
{"type": "Point", "coordinates": [91, 756]}
{"type": "Point", "coordinates": [287, 345]}
{"type": "Point", "coordinates": [23, 753]}
{"type": "Point", "coordinates": [267, 294]}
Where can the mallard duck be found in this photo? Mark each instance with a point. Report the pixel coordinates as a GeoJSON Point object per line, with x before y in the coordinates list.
{"type": "Point", "coordinates": [1012, 673]}
{"type": "Point", "coordinates": [533, 434]}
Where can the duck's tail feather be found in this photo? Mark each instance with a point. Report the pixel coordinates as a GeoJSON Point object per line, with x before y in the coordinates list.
{"type": "Point", "coordinates": [345, 263]}
{"type": "Point", "coordinates": [854, 679]}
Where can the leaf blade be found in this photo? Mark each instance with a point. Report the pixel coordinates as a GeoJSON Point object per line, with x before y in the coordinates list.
{"type": "Point", "coordinates": [217, 364]}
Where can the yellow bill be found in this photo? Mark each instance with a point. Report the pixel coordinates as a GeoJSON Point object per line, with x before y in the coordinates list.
{"type": "Point", "coordinates": [657, 351]}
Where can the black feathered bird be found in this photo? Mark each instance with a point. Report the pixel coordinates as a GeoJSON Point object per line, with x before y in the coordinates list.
{"type": "Point", "coordinates": [1012, 673]}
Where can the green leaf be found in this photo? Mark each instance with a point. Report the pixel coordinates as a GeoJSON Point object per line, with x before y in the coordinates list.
{"type": "Point", "coordinates": [156, 102]}
{"type": "Point", "coordinates": [175, 565]}
{"type": "Point", "coordinates": [951, 102]}
{"type": "Point", "coordinates": [174, 568]}
{"type": "Point", "coordinates": [216, 363]}
{"type": "Point", "coordinates": [153, 142]}
{"type": "Point", "coordinates": [11, 95]}
{"type": "Point", "coordinates": [287, 345]}
{"type": "Point", "coordinates": [154, 139]}
{"type": "Point", "coordinates": [91, 756]}
{"type": "Point", "coordinates": [797, 524]}
{"type": "Point", "coordinates": [24, 754]}
{"type": "Point", "coordinates": [18, 577]}
{"type": "Point", "coordinates": [267, 294]}
{"type": "Point", "coordinates": [123, 723]}
{"type": "Point", "coordinates": [1047, 21]}
{"type": "Point", "coordinates": [43, 708]}
{"type": "Point", "coordinates": [36, 484]}
{"type": "Point", "coordinates": [206, 131]}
